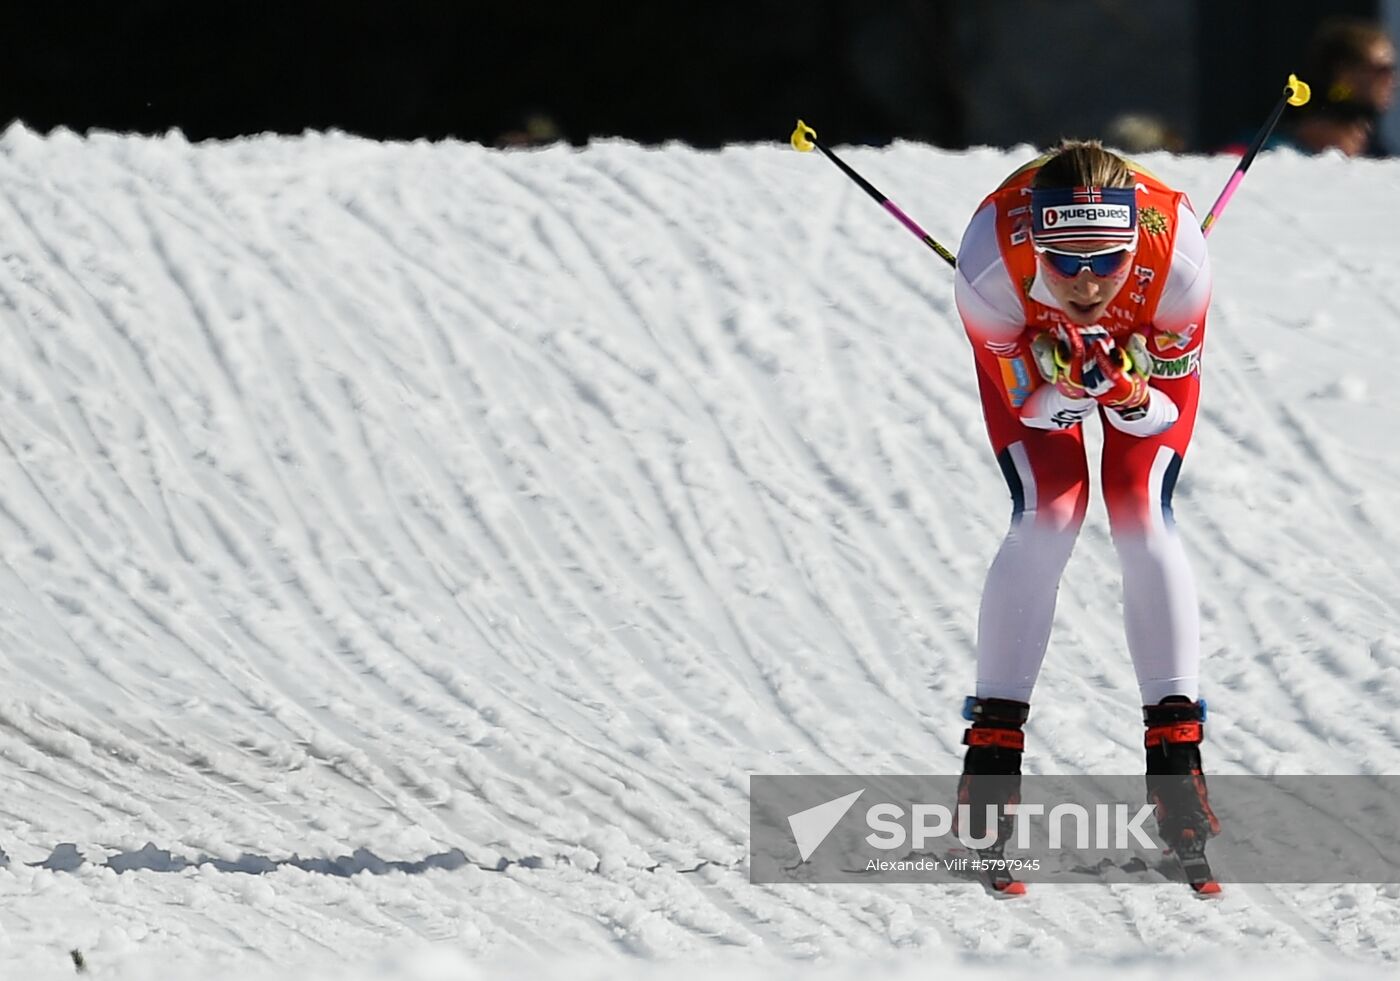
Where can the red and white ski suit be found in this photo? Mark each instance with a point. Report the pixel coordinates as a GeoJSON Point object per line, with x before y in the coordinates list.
{"type": "Point", "coordinates": [1039, 442]}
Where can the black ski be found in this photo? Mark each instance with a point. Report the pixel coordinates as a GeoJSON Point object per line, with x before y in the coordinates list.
{"type": "Point", "coordinates": [1191, 853]}
{"type": "Point", "coordinates": [995, 872]}
{"type": "Point", "coordinates": [987, 866]}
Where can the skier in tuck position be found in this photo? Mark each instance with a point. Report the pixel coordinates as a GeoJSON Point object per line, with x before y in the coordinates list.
{"type": "Point", "coordinates": [1083, 285]}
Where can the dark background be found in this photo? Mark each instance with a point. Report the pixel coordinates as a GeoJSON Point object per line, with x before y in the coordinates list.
{"type": "Point", "coordinates": [994, 71]}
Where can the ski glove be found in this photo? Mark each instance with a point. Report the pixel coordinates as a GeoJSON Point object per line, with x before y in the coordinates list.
{"type": "Point", "coordinates": [1085, 363]}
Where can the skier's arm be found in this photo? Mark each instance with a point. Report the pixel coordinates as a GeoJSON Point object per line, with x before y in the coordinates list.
{"type": "Point", "coordinates": [1178, 329]}
{"type": "Point", "coordinates": [992, 313]}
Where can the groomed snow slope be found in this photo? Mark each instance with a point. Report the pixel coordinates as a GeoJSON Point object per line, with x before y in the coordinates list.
{"type": "Point", "coordinates": [506, 510]}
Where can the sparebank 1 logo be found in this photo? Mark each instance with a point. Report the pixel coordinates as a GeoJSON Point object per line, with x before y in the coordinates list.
{"type": "Point", "coordinates": [892, 826]}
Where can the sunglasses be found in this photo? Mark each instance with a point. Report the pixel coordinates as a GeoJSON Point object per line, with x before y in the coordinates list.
{"type": "Point", "coordinates": [1105, 262]}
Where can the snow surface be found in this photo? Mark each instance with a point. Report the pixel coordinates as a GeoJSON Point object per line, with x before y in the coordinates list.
{"type": "Point", "coordinates": [497, 513]}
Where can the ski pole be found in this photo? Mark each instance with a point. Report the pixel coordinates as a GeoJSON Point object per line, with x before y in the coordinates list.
{"type": "Point", "coordinates": [804, 138]}
{"type": "Point", "coordinates": [1295, 93]}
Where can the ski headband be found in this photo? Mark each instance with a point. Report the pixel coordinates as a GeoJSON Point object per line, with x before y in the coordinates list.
{"type": "Point", "coordinates": [1077, 214]}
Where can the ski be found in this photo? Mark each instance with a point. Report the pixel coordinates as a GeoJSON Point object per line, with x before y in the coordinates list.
{"type": "Point", "coordinates": [997, 877]}
{"type": "Point", "coordinates": [995, 872]}
{"type": "Point", "coordinates": [1191, 854]}
{"type": "Point", "coordinates": [987, 866]}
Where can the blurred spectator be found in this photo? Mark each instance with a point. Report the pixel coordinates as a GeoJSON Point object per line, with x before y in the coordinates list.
{"type": "Point", "coordinates": [1324, 124]}
{"type": "Point", "coordinates": [1352, 61]}
{"type": "Point", "coordinates": [536, 129]}
{"type": "Point", "coordinates": [1136, 132]}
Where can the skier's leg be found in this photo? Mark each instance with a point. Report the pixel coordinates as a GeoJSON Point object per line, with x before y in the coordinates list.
{"type": "Point", "coordinates": [1049, 483]}
{"type": "Point", "coordinates": [1161, 609]}
{"type": "Point", "coordinates": [1176, 784]}
{"type": "Point", "coordinates": [1048, 478]}
{"type": "Point", "coordinates": [992, 765]}
{"type": "Point", "coordinates": [1162, 617]}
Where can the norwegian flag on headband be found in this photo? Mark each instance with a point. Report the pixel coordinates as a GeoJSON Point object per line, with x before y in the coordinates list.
{"type": "Point", "coordinates": [1077, 214]}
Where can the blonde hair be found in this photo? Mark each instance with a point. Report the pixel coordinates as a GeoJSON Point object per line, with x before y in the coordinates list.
{"type": "Point", "coordinates": [1083, 163]}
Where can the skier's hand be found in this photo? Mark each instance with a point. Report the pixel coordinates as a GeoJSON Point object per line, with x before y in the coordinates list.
{"type": "Point", "coordinates": [1085, 362]}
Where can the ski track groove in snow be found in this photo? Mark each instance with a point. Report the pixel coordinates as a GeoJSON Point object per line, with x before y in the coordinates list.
{"type": "Point", "coordinates": [416, 497]}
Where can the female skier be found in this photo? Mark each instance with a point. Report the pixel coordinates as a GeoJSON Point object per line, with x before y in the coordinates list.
{"type": "Point", "coordinates": [1083, 283]}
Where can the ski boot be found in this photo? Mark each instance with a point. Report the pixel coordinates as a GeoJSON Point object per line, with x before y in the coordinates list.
{"type": "Point", "coordinates": [992, 776]}
{"type": "Point", "coordinates": [1176, 786]}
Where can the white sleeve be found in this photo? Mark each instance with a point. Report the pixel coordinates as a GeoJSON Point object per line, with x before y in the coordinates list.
{"type": "Point", "coordinates": [987, 300]}
{"type": "Point", "coordinates": [1161, 413]}
{"type": "Point", "coordinates": [1050, 408]}
{"type": "Point", "coordinates": [1186, 294]}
